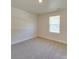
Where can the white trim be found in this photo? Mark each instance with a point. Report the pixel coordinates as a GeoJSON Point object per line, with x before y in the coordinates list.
{"type": "Point", "coordinates": [19, 41]}
{"type": "Point", "coordinates": [64, 42]}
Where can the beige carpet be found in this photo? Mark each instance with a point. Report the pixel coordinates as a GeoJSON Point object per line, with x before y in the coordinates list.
{"type": "Point", "coordinates": [39, 49]}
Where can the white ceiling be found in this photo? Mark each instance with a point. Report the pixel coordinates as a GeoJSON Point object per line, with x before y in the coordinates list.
{"type": "Point", "coordinates": [35, 7]}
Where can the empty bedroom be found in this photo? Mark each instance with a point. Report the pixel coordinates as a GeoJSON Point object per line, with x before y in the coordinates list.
{"type": "Point", "coordinates": [38, 29]}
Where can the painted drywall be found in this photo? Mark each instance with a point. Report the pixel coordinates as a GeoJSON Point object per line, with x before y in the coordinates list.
{"type": "Point", "coordinates": [43, 26]}
{"type": "Point", "coordinates": [23, 25]}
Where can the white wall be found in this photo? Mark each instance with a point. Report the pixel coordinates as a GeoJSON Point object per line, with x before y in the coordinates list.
{"type": "Point", "coordinates": [43, 26]}
{"type": "Point", "coordinates": [23, 25]}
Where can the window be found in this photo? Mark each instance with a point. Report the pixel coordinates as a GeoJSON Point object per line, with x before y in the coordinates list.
{"type": "Point", "coordinates": [54, 24]}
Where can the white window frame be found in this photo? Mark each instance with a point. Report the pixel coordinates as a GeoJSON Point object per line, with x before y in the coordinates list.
{"type": "Point", "coordinates": [53, 31]}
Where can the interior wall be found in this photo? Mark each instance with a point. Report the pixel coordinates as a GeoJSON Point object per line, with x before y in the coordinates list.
{"type": "Point", "coordinates": [23, 25]}
{"type": "Point", "coordinates": [43, 26]}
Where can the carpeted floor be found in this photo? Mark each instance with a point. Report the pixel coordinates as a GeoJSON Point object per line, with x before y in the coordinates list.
{"type": "Point", "coordinates": [39, 49]}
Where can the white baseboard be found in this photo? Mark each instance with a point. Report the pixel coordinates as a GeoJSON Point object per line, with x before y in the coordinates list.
{"type": "Point", "coordinates": [54, 40]}
{"type": "Point", "coordinates": [19, 41]}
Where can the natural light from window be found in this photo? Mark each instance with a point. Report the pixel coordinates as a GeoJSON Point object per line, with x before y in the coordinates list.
{"type": "Point", "coordinates": [54, 24]}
